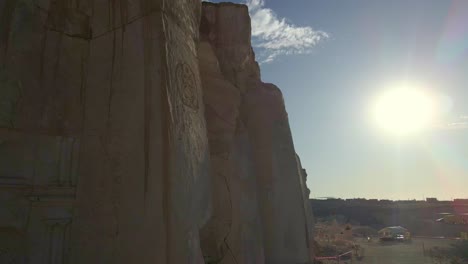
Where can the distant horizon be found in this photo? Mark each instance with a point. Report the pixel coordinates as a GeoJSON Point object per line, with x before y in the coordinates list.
{"type": "Point", "coordinates": [385, 199]}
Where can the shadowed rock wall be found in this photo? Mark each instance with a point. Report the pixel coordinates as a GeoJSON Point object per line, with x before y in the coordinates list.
{"type": "Point", "coordinates": [102, 130]}
{"type": "Point", "coordinates": [140, 132]}
{"type": "Point", "coordinates": [259, 203]}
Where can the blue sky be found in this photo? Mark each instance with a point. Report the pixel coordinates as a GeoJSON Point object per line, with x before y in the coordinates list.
{"type": "Point", "coordinates": [333, 57]}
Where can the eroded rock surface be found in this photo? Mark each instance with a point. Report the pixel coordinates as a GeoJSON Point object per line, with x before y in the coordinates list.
{"type": "Point", "coordinates": [141, 132]}
{"type": "Point", "coordinates": [259, 213]}
{"type": "Point", "coordinates": [103, 130]}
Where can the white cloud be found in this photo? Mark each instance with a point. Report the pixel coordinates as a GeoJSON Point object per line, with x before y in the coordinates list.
{"type": "Point", "coordinates": [273, 36]}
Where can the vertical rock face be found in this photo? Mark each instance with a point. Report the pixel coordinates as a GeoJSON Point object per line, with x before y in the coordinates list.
{"type": "Point", "coordinates": [279, 180]}
{"type": "Point", "coordinates": [103, 146]}
{"type": "Point", "coordinates": [141, 132]}
{"type": "Point", "coordinates": [259, 213]}
{"type": "Point", "coordinates": [143, 171]}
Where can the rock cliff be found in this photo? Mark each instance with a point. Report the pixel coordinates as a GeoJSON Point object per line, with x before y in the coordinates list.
{"type": "Point", "coordinates": [141, 132]}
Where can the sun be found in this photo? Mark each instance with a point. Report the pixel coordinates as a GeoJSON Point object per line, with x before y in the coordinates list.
{"type": "Point", "coordinates": [404, 110]}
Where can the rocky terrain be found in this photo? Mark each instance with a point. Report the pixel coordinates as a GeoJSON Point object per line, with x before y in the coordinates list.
{"type": "Point", "coordinates": [141, 132]}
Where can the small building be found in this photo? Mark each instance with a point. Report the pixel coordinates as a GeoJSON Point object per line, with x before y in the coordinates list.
{"type": "Point", "coordinates": [394, 233]}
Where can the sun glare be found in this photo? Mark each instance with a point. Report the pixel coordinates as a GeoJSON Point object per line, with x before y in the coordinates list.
{"type": "Point", "coordinates": [404, 111]}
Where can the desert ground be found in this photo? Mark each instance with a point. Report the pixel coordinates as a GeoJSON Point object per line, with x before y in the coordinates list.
{"type": "Point", "coordinates": [414, 252]}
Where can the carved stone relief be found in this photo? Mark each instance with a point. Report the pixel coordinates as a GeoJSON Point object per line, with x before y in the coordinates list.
{"type": "Point", "coordinates": [42, 160]}
{"type": "Point", "coordinates": [186, 84]}
{"type": "Point", "coordinates": [58, 239]}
